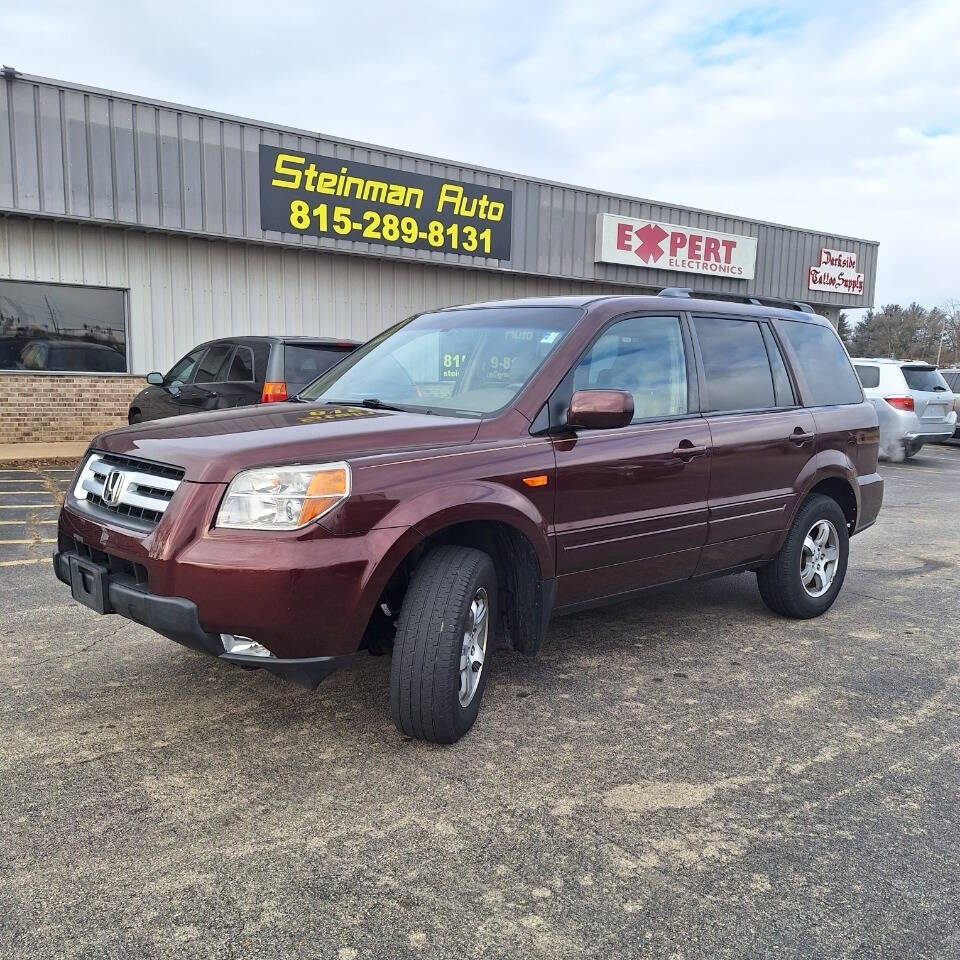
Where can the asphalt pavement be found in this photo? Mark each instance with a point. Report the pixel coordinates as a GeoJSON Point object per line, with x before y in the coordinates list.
{"type": "Point", "coordinates": [683, 776]}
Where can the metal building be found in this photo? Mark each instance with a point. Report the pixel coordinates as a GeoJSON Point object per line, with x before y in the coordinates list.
{"type": "Point", "coordinates": [178, 225]}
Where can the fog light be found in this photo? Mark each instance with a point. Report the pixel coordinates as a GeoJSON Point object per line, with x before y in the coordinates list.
{"type": "Point", "coordinates": [244, 645]}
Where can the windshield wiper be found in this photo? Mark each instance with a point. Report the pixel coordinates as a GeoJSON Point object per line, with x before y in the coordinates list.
{"type": "Point", "coordinates": [373, 403]}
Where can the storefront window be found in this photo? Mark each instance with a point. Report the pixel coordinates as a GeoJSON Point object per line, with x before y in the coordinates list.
{"type": "Point", "coordinates": [55, 327]}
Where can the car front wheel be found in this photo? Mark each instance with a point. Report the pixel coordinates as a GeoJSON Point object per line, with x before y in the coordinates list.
{"type": "Point", "coordinates": [805, 577]}
{"type": "Point", "coordinates": [445, 637]}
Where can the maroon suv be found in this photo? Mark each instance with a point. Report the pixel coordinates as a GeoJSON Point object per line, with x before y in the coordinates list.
{"type": "Point", "coordinates": [472, 471]}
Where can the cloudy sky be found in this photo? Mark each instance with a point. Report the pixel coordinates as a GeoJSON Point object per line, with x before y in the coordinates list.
{"type": "Point", "coordinates": [837, 115]}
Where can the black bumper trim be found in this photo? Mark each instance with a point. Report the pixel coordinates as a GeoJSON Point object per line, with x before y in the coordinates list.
{"type": "Point", "coordinates": [176, 618]}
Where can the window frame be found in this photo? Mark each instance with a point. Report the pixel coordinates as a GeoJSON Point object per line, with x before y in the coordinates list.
{"type": "Point", "coordinates": [225, 363]}
{"type": "Point", "coordinates": [202, 350]}
{"type": "Point", "coordinates": [558, 403]}
{"type": "Point", "coordinates": [125, 309]}
{"type": "Point", "coordinates": [237, 347]}
{"type": "Point", "coordinates": [760, 321]}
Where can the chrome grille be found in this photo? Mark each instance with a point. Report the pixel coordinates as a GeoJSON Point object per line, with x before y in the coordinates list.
{"type": "Point", "coordinates": [127, 487]}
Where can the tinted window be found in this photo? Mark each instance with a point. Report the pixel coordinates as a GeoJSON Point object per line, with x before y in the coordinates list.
{"type": "Point", "coordinates": [183, 369]}
{"type": "Point", "coordinates": [214, 363]}
{"type": "Point", "coordinates": [826, 366]}
{"type": "Point", "coordinates": [953, 380]}
{"type": "Point", "coordinates": [46, 326]}
{"type": "Point", "coordinates": [241, 367]}
{"type": "Point", "coordinates": [736, 365]}
{"type": "Point", "coordinates": [303, 363]}
{"type": "Point", "coordinates": [869, 376]}
{"type": "Point", "coordinates": [782, 387]}
{"type": "Point", "coordinates": [923, 378]}
{"type": "Point", "coordinates": [645, 357]}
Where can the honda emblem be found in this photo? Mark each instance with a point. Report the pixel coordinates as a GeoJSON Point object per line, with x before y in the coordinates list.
{"type": "Point", "coordinates": [113, 487]}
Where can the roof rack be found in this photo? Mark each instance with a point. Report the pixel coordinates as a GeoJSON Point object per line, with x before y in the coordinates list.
{"type": "Point", "coordinates": [709, 295]}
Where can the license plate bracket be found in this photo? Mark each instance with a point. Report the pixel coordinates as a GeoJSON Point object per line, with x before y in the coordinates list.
{"type": "Point", "coordinates": [90, 585]}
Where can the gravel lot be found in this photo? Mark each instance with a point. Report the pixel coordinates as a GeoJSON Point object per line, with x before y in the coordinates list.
{"type": "Point", "coordinates": [684, 776]}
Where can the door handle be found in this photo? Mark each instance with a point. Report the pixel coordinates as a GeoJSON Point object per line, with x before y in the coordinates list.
{"type": "Point", "coordinates": [686, 451]}
{"type": "Point", "coordinates": [800, 437]}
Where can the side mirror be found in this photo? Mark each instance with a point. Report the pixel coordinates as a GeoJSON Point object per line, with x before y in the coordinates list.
{"type": "Point", "coordinates": [600, 409]}
{"type": "Point", "coordinates": [155, 379]}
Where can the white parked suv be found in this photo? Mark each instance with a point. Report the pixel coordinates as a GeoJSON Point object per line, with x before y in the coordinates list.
{"type": "Point", "coordinates": [913, 403]}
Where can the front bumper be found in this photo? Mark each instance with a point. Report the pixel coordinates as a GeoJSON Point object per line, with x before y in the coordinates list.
{"type": "Point", "coordinates": [176, 618]}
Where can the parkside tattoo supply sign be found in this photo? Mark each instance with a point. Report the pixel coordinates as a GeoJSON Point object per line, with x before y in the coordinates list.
{"type": "Point", "coordinates": [836, 273]}
{"type": "Point", "coordinates": [321, 196]}
{"type": "Point", "coordinates": [670, 246]}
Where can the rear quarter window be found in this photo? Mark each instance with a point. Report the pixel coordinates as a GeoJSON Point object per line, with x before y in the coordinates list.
{"type": "Point", "coordinates": [824, 363]}
{"type": "Point", "coordinates": [869, 375]}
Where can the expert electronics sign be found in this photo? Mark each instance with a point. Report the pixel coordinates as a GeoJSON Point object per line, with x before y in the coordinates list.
{"type": "Point", "coordinates": [322, 196]}
{"type": "Point", "coordinates": [836, 273]}
{"type": "Point", "coordinates": [670, 246]}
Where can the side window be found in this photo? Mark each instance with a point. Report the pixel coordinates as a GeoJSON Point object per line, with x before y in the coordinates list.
{"type": "Point", "coordinates": [869, 375]}
{"type": "Point", "coordinates": [241, 367]}
{"type": "Point", "coordinates": [213, 366]}
{"type": "Point", "coordinates": [735, 363]}
{"type": "Point", "coordinates": [826, 366]}
{"type": "Point", "coordinates": [782, 387]}
{"type": "Point", "coordinates": [184, 369]}
{"type": "Point", "coordinates": [953, 381]}
{"type": "Point", "coordinates": [645, 357]}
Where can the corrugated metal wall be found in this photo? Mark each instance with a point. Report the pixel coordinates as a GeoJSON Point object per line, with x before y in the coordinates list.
{"type": "Point", "coordinates": [68, 151]}
{"type": "Point", "coordinates": [183, 290]}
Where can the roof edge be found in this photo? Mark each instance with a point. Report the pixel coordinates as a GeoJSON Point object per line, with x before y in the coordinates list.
{"type": "Point", "coordinates": [319, 135]}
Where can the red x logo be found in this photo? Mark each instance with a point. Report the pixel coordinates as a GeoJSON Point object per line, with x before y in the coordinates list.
{"type": "Point", "coordinates": [650, 237]}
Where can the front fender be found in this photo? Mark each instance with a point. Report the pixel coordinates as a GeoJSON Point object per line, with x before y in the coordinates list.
{"type": "Point", "coordinates": [456, 503]}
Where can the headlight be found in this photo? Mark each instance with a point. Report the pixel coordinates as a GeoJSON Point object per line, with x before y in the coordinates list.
{"type": "Point", "coordinates": [283, 498]}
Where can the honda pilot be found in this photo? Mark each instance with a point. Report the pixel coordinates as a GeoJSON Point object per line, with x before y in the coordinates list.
{"type": "Point", "coordinates": [473, 471]}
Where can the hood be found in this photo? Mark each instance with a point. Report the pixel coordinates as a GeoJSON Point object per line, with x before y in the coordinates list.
{"type": "Point", "coordinates": [213, 447]}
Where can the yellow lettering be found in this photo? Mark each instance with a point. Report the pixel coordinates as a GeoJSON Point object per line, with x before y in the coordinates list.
{"type": "Point", "coordinates": [281, 167]}
{"type": "Point", "coordinates": [375, 190]}
{"type": "Point", "coordinates": [327, 183]}
{"type": "Point", "coordinates": [452, 194]}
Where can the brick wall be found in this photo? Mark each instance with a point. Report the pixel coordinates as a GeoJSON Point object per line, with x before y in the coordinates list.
{"type": "Point", "coordinates": [44, 409]}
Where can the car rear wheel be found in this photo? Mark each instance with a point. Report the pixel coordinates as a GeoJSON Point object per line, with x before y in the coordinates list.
{"type": "Point", "coordinates": [805, 577]}
{"type": "Point", "coordinates": [441, 654]}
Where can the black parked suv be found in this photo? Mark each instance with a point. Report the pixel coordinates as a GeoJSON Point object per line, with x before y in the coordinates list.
{"type": "Point", "coordinates": [237, 372]}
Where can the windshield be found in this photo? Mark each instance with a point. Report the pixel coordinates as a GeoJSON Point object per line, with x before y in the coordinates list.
{"type": "Point", "coordinates": [462, 362]}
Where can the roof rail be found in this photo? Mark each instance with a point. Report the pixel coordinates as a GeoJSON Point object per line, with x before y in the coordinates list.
{"type": "Point", "coordinates": [688, 292]}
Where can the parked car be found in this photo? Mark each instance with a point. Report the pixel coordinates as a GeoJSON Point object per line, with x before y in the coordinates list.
{"type": "Point", "coordinates": [913, 402]}
{"type": "Point", "coordinates": [951, 376]}
{"type": "Point", "coordinates": [473, 470]}
{"type": "Point", "coordinates": [237, 372]}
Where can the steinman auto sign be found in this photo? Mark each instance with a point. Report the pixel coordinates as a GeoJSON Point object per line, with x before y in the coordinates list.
{"type": "Point", "coordinates": [322, 196]}
{"type": "Point", "coordinates": [670, 246]}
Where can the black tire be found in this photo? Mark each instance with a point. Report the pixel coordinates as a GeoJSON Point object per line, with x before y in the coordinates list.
{"type": "Point", "coordinates": [425, 672]}
{"type": "Point", "coordinates": [780, 583]}
{"type": "Point", "coordinates": [910, 450]}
